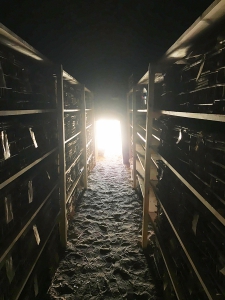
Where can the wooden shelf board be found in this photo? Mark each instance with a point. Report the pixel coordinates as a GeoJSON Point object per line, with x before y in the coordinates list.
{"type": "Point", "coordinates": [90, 156]}
{"type": "Point", "coordinates": [21, 172]}
{"type": "Point", "coordinates": [19, 231]}
{"type": "Point", "coordinates": [209, 117]}
{"type": "Point", "coordinates": [88, 126]}
{"type": "Point", "coordinates": [74, 186]}
{"type": "Point", "coordinates": [141, 127]}
{"type": "Point", "coordinates": [142, 111]}
{"type": "Point", "coordinates": [75, 161]}
{"type": "Point", "coordinates": [88, 144]}
{"type": "Point", "coordinates": [25, 112]}
{"type": "Point", "coordinates": [71, 138]}
{"type": "Point", "coordinates": [140, 150]}
{"type": "Point", "coordinates": [219, 217]}
{"type": "Point", "coordinates": [155, 137]}
{"type": "Point", "coordinates": [71, 110]}
{"type": "Point", "coordinates": [141, 161]}
{"type": "Point", "coordinates": [141, 183]}
{"type": "Point", "coordinates": [140, 169]}
{"type": "Point", "coordinates": [141, 137]}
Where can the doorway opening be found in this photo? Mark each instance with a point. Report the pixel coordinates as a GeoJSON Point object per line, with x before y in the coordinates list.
{"type": "Point", "coordinates": [108, 138]}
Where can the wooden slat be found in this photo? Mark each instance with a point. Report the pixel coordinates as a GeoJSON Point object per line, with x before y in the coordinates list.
{"type": "Point", "coordinates": [140, 169]}
{"type": "Point", "coordinates": [141, 161]}
{"type": "Point", "coordinates": [62, 165]}
{"type": "Point", "coordinates": [18, 174]}
{"type": "Point", "coordinates": [84, 136]}
{"type": "Point", "coordinates": [141, 127]}
{"type": "Point", "coordinates": [140, 150]}
{"type": "Point", "coordinates": [219, 217]}
{"type": "Point", "coordinates": [141, 111]}
{"type": "Point", "coordinates": [149, 120]}
{"type": "Point", "coordinates": [141, 184]}
{"type": "Point", "coordinates": [134, 119]}
{"type": "Point", "coordinates": [200, 116]}
{"type": "Point", "coordinates": [88, 144]}
{"type": "Point", "coordinates": [141, 137]}
{"type": "Point", "coordinates": [74, 186]}
{"type": "Point", "coordinates": [72, 137]}
{"type": "Point", "coordinates": [75, 161]}
{"type": "Point", "coordinates": [25, 112]}
{"type": "Point", "coordinates": [71, 110]}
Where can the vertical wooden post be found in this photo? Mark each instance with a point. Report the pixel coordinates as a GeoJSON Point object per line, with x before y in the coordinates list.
{"type": "Point", "coordinates": [149, 119]}
{"type": "Point", "coordinates": [134, 136]}
{"type": "Point", "coordinates": [93, 129]}
{"type": "Point", "coordinates": [128, 126]}
{"type": "Point", "coordinates": [62, 169]}
{"type": "Point", "coordinates": [83, 134]}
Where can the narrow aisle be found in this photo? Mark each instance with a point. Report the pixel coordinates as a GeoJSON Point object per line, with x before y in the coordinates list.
{"type": "Point", "coordinates": [103, 259]}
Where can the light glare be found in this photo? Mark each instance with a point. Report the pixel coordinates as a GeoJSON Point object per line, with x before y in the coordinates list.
{"type": "Point", "coordinates": [108, 137]}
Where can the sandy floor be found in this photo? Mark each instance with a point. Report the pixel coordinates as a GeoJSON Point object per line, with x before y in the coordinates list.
{"type": "Point", "coordinates": [103, 259]}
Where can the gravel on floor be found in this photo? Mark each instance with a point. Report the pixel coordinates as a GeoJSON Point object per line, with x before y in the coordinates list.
{"type": "Point", "coordinates": [103, 259]}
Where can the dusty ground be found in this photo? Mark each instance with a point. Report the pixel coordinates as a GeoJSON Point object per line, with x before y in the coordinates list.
{"type": "Point", "coordinates": [103, 259]}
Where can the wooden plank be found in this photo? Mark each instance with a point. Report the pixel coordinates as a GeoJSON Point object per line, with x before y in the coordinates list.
{"type": "Point", "coordinates": [74, 185]}
{"type": "Point", "coordinates": [209, 117]}
{"type": "Point", "coordinates": [75, 161]}
{"type": "Point", "coordinates": [71, 110]}
{"type": "Point", "coordinates": [141, 184]}
{"type": "Point", "coordinates": [94, 133]}
{"type": "Point", "coordinates": [149, 120]}
{"type": "Point", "coordinates": [140, 150]}
{"type": "Point", "coordinates": [141, 161]}
{"type": "Point", "coordinates": [141, 127]}
{"type": "Point", "coordinates": [90, 156]}
{"type": "Point", "coordinates": [62, 165]}
{"type": "Point", "coordinates": [129, 128]}
{"type": "Point", "coordinates": [141, 137]}
{"type": "Point", "coordinates": [134, 119]}
{"type": "Point", "coordinates": [88, 144]}
{"type": "Point", "coordinates": [219, 217]}
{"type": "Point", "coordinates": [25, 112]}
{"type": "Point", "coordinates": [142, 111]}
{"type": "Point", "coordinates": [84, 135]}
{"type": "Point", "coordinates": [140, 169]}
{"type": "Point", "coordinates": [21, 172]}
{"type": "Point", "coordinates": [72, 137]}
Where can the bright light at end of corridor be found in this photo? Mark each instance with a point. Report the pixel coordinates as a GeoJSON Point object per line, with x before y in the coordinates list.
{"type": "Point", "coordinates": [108, 137]}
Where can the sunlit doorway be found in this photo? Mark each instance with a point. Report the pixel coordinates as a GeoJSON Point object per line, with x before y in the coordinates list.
{"type": "Point", "coordinates": [108, 138]}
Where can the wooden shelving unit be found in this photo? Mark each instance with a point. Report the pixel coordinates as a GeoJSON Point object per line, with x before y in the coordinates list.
{"type": "Point", "coordinates": [29, 142]}
{"type": "Point", "coordinates": [154, 157]}
{"type": "Point", "coordinates": [74, 162]}
{"type": "Point", "coordinates": [44, 163]}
